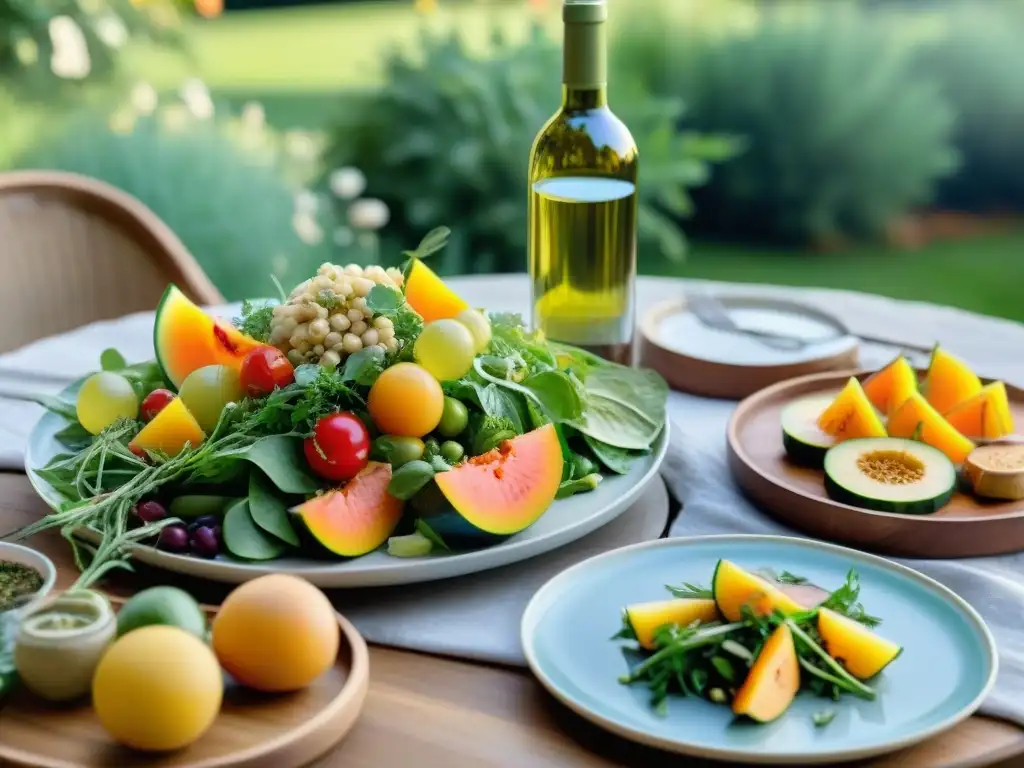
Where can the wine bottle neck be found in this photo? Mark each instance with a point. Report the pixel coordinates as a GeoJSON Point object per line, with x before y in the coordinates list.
{"type": "Point", "coordinates": [585, 55]}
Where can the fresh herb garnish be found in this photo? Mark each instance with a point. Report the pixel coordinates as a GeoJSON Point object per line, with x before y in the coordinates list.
{"type": "Point", "coordinates": [844, 601]}
{"type": "Point", "coordinates": [789, 578]}
{"type": "Point", "coordinates": [256, 320]}
{"type": "Point", "coordinates": [692, 591]}
{"type": "Point", "coordinates": [823, 718]}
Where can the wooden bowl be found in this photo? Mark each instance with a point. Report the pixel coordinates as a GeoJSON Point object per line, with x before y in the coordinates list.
{"type": "Point", "coordinates": [966, 527]}
{"type": "Point", "coordinates": [253, 730]}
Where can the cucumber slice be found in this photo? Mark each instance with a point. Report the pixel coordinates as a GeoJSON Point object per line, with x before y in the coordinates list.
{"type": "Point", "coordinates": [889, 474]}
{"type": "Point", "coordinates": [805, 444]}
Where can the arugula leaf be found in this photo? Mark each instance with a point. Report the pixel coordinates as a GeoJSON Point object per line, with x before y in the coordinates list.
{"type": "Point", "coordinates": [626, 631]}
{"type": "Point", "coordinates": [364, 366]}
{"type": "Point", "coordinates": [424, 529]}
{"type": "Point", "coordinates": [790, 578]}
{"type": "Point", "coordinates": [688, 590]}
{"type": "Point", "coordinates": [844, 600]}
{"type": "Point", "coordinates": [618, 460]}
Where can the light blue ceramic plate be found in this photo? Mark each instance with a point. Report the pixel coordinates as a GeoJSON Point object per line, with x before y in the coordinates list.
{"type": "Point", "coordinates": [947, 666]}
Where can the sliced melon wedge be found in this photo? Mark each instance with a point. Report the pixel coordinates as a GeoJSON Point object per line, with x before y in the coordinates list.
{"type": "Point", "coordinates": [733, 588]}
{"type": "Point", "coordinates": [802, 438]}
{"type": "Point", "coordinates": [851, 415]}
{"type": "Point", "coordinates": [986, 415]}
{"type": "Point", "coordinates": [917, 419]}
{"type": "Point", "coordinates": [863, 653]}
{"type": "Point", "coordinates": [949, 381]}
{"type": "Point", "coordinates": [647, 618]}
{"type": "Point", "coordinates": [891, 386]}
{"type": "Point", "coordinates": [889, 475]}
{"type": "Point", "coordinates": [773, 680]}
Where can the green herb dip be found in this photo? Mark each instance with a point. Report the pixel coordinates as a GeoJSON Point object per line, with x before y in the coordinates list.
{"type": "Point", "coordinates": [17, 581]}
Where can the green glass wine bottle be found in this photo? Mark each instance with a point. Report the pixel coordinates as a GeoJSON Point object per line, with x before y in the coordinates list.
{"type": "Point", "coordinates": [583, 202]}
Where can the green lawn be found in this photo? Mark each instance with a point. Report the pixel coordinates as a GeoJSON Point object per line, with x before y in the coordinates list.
{"type": "Point", "coordinates": [981, 274]}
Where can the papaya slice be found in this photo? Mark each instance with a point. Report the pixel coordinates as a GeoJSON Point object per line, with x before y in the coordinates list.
{"type": "Point", "coordinates": [917, 420]}
{"type": "Point", "coordinates": [170, 431]}
{"type": "Point", "coordinates": [732, 588]}
{"type": "Point", "coordinates": [863, 653]}
{"type": "Point", "coordinates": [891, 386]}
{"type": "Point", "coordinates": [506, 490]}
{"type": "Point", "coordinates": [985, 415]}
{"type": "Point", "coordinates": [430, 296]}
{"type": "Point", "coordinates": [851, 415]}
{"type": "Point", "coordinates": [186, 339]}
{"type": "Point", "coordinates": [356, 518]}
{"type": "Point", "coordinates": [949, 381]}
{"type": "Point", "coordinates": [773, 680]}
{"type": "Point", "coordinates": [647, 618]}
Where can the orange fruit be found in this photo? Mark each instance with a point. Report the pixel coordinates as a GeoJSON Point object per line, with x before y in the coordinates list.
{"type": "Point", "coordinates": [157, 688]}
{"type": "Point", "coordinates": [276, 633]}
{"type": "Point", "coordinates": [406, 400]}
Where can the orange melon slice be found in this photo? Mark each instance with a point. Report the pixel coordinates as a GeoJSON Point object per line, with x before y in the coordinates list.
{"type": "Point", "coordinates": [170, 431]}
{"type": "Point", "coordinates": [647, 618]}
{"type": "Point", "coordinates": [985, 415]}
{"type": "Point", "coordinates": [430, 296]}
{"type": "Point", "coordinates": [851, 415]}
{"type": "Point", "coordinates": [356, 518]}
{"type": "Point", "coordinates": [773, 681]}
{"type": "Point", "coordinates": [891, 386]}
{"type": "Point", "coordinates": [186, 339]}
{"type": "Point", "coordinates": [733, 588]}
{"type": "Point", "coordinates": [917, 419]}
{"type": "Point", "coordinates": [949, 381]}
{"type": "Point", "coordinates": [863, 653]}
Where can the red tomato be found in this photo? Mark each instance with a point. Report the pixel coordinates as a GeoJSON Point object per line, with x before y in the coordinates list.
{"type": "Point", "coordinates": [155, 402]}
{"type": "Point", "coordinates": [264, 369]}
{"type": "Point", "coordinates": [339, 447]}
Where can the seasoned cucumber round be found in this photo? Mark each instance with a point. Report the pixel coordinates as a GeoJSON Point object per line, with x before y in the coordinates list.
{"type": "Point", "coordinates": [889, 474]}
{"type": "Point", "coordinates": [805, 444]}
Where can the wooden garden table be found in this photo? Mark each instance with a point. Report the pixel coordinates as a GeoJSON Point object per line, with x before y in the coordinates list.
{"type": "Point", "coordinates": [431, 711]}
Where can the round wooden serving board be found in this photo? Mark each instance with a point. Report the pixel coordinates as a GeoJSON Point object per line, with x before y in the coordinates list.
{"type": "Point", "coordinates": [253, 730]}
{"type": "Point", "coordinates": [966, 527]}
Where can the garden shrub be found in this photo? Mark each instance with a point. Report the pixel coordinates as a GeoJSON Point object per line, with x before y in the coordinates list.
{"type": "Point", "coordinates": [978, 61]}
{"type": "Point", "coordinates": [842, 134]}
{"type": "Point", "coordinates": [50, 48]}
{"type": "Point", "coordinates": [446, 141]}
{"type": "Point", "coordinates": [228, 189]}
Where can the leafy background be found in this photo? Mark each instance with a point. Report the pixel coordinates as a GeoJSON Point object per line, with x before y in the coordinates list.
{"type": "Point", "coordinates": [861, 145]}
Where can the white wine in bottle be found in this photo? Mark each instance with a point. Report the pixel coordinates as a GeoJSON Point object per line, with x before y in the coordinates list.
{"type": "Point", "coordinates": [583, 204]}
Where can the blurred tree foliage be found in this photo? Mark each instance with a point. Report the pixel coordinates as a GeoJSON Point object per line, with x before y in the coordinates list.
{"type": "Point", "coordinates": [843, 135]}
{"type": "Point", "coordinates": [228, 186]}
{"type": "Point", "coordinates": [446, 139]}
{"type": "Point", "coordinates": [49, 48]}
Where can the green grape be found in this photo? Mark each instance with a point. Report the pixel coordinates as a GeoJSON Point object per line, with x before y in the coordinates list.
{"type": "Point", "coordinates": [452, 452]}
{"type": "Point", "coordinates": [103, 399]}
{"type": "Point", "coordinates": [446, 349]}
{"type": "Point", "coordinates": [454, 418]}
{"type": "Point", "coordinates": [398, 450]}
{"type": "Point", "coordinates": [478, 326]}
{"type": "Point", "coordinates": [207, 390]}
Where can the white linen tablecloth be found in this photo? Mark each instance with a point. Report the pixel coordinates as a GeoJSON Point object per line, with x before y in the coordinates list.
{"type": "Point", "coordinates": [470, 617]}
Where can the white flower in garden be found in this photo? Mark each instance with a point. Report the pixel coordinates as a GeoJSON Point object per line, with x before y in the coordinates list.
{"type": "Point", "coordinates": [253, 116]}
{"type": "Point", "coordinates": [197, 98]}
{"type": "Point", "coordinates": [306, 202]}
{"type": "Point", "coordinates": [348, 183]}
{"type": "Point", "coordinates": [112, 31]}
{"type": "Point", "coordinates": [369, 213]}
{"type": "Point", "coordinates": [307, 229]}
{"type": "Point", "coordinates": [70, 57]}
{"type": "Point", "coordinates": [144, 98]}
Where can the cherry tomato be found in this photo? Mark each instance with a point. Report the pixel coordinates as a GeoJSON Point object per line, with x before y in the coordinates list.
{"type": "Point", "coordinates": [264, 369]}
{"type": "Point", "coordinates": [155, 402]}
{"type": "Point", "coordinates": [339, 447]}
{"type": "Point", "coordinates": [406, 401]}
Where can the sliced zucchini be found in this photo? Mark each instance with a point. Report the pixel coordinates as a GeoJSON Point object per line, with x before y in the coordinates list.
{"type": "Point", "coordinates": [804, 442]}
{"type": "Point", "coordinates": [889, 474]}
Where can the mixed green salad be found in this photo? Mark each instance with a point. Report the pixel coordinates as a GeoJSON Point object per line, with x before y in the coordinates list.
{"type": "Point", "coordinates": [280, 439]}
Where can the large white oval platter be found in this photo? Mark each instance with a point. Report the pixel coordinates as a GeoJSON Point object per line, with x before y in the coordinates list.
{"type": "Point", "coordinates": [566, 521]}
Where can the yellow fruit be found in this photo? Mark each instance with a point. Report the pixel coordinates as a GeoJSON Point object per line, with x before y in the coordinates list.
{"type": "Point", "coordinates": [276, 633]}
{"type": "Point", "coordinates": [157, 689]}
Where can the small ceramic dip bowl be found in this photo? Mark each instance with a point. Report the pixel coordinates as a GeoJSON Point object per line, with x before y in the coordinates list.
{"type": "Point", "coordinates": [14, 560]}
